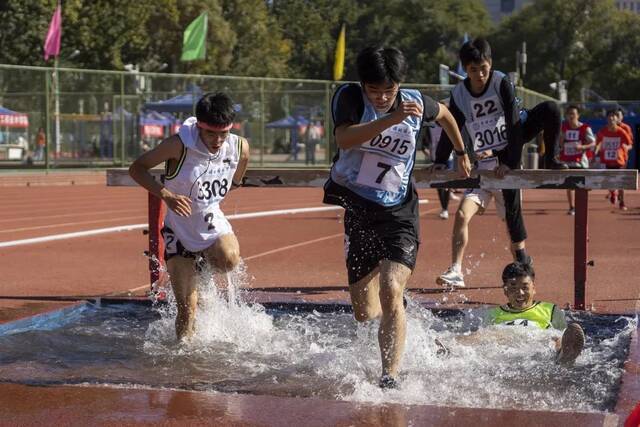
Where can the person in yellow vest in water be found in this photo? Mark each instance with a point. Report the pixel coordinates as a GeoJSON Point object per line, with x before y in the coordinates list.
{"type": "Point", "coordinates": [518, 284]}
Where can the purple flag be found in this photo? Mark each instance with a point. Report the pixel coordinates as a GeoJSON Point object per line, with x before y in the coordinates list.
{"type": "Point", "coordinates": [52, 42]}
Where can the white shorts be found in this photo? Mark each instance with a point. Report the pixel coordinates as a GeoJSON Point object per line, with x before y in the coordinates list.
{"type": "Point", "coordinates": [194, 233]}
{"type": "Point", "coordinates": [482, 198]}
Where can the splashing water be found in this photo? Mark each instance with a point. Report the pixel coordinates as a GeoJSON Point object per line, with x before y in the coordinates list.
{"type": "Point", "coordinates": [241, 347]}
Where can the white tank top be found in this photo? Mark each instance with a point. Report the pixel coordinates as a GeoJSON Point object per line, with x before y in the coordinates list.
{"type": "Point", "coordinates": [206, 179]}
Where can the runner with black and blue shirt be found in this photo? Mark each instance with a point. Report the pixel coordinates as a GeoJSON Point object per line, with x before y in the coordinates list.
{"type": "Point", "coordinates": [494, 129]}
{"type": "Point", "coordinates": [376, 127]}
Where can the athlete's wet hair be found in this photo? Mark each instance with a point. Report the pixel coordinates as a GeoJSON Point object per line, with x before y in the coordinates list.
{"type": "Point", "coordinates": [215, 109]}
{"type": "Point", "coordinates": [475, 51]}
{"type": "Point", "coordinates": [573, 107]}
{"type": "Point", "coordinates": [377, 65]}
{"type": "Point", "coordinates": [517, 269]}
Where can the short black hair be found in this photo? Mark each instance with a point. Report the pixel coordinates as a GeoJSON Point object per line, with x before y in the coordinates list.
{"type": "Point", "coordinates": [215, 108]}
{"type": "Point", "coordinates": [612, 112]}
{"type": "Point", "coordinates": [620, 110]}
{"type": "Point", "coordinates": [378, 65]}
{"type": "Point", "coordinates": [517, 269]}
{"type": "Point", "coordinates": [573, 107]}
{"type": "Point", "coordinates": [477, 50]}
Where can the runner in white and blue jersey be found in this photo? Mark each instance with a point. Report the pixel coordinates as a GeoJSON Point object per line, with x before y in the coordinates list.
{"type": "Point", "coordinates": [494, 129]}
{"type": "Point", "coordinates": [376, 127]}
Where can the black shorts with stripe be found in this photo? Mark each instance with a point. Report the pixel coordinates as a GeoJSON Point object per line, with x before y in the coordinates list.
{"type": "Point", "coordinates": [374, 233]}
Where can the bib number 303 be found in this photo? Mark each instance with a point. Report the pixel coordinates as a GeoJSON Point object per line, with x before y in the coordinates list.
{"type": "Point", "coordinates": [381, 173]}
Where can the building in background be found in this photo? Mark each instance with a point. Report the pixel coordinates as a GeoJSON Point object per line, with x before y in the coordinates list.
{"type": "Point", "coordinates": [633, 6]}
{"type": "Point", "coordinates": [500, 9]}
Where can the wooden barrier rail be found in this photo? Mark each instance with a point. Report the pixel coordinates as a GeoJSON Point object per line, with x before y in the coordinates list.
{"type": "Point", "coordinates": [580, 180]}
{"type": "Point", "coordinates": [587, 179]}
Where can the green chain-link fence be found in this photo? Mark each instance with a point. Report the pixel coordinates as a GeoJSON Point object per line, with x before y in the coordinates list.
{"type": "Point", "coordinates": [107, 118]}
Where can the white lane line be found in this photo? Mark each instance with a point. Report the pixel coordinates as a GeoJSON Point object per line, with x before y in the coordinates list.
{"type": "Point", "coordinates": [131, 227]}
{"type": "Point", "coordinates": [67, 224]}
{"type": "Point", "coordinates": [72, 235]}
{"type": "Point", "coordinates": [296, 245]}
{"type": "Point", "coordinates": [49, 217]}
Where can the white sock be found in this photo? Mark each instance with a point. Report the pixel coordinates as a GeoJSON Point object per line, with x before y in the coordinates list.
{"type": "Point", "coordinates": [456, 267]}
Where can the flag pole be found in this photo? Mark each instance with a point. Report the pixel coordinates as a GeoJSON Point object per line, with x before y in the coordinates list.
{"type": "Point", "coordinates": [56, 108]}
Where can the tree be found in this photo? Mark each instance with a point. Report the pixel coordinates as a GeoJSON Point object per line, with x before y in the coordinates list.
{"type": "Point", "coordinates": [260, 49]}
{"type": "Point", "coordinates": [312, 29]}
{"type": "Point", "coordinates": [566, 40]}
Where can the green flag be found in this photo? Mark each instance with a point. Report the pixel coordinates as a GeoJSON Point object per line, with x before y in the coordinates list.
{"type": "Point", "coordinates": [194, 40]}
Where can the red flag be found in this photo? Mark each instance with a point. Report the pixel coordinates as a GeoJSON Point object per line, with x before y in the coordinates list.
{"type": "Point", "coordinates": [52, 42]}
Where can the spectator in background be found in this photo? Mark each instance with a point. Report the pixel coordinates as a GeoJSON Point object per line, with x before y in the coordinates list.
{"type": "Point", "coordinates": [314, 135]}
{"type": "Point", "coordinates": [41, 143]}
{"type": "Point", "coordinates": [576, 141]}
{"type": "Point", "coordinates": [612, 146]}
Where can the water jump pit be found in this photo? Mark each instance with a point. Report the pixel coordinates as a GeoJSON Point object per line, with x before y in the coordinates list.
{"type": "Point", "coordinates": [317, 351]}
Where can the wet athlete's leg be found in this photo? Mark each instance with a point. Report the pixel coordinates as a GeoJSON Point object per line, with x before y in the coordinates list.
{"type": "Point", "coordinates": [393, 324]}
{"type": "Point", "coordinates": [468, 208]}
{"type": "Point", "coordinates": [183, 281]}
{"type": "Point", "coordinates": [365, 297]}
{"type": "Point", "coordinates": [224, 254]}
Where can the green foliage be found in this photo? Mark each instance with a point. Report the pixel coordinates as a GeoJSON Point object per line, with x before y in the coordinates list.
{"type": "Point", "coordinates": [589, 43]}
{"type": "Point", "coordinates": [312, 28]}
{"type": "Point", "coordinates": [579, 41]}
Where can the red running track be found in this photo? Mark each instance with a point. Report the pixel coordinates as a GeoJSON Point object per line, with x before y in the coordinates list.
{"type": "Point", "coordinates": [305, 250]}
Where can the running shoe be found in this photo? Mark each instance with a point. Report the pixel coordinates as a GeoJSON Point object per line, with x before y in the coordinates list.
{"type": "Point", "coordinates": [452, 278]}
{"type": "Point", "coordinates": [528, 260]}
{"type": "Point", "coordinates": [571, 344]}
{"type": "Point", "coordinates": [571, 211]}
{"type": "Point", "coordinates": [552, 163]}
{"type": "Point", "coordinates": [444, 215]}
{"type": "Point", "coordinates": [388, 382]}
{"type": "Point", "coordinates": [623, 207]}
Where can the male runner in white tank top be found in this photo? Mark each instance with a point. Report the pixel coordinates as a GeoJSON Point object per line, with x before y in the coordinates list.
{"type": "Point", "coordinates": [203, 163]}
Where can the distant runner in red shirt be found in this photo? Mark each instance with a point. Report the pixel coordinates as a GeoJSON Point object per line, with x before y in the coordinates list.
{"type": "Point", "coordinates": [612, 146]}
{"type": "Point", "coordinates": [576, 141]}
{"type": "Point", "coordinates": [623, 125]}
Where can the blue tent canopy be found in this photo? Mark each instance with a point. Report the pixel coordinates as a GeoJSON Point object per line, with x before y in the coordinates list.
{"type": "Point", "coordinates": [7, 111]}
{"type": "Point", "coordinates": [289, 122]}
{"type": "Point", "coordinates": [156, 118]}
{"type": "Point", "coordinates": [178, 104]}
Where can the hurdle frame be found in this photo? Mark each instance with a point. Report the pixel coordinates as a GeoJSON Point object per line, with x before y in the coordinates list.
{"type": "Point", "coordinates": [580, 180]}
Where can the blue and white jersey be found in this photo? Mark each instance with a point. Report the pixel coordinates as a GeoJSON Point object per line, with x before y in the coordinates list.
{"type": "Point", "coordinates": [379, 170]}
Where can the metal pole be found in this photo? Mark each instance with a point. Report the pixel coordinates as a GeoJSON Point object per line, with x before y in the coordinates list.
{"type": "Point", "coordinates": [47, 118]}
{"type": "Point", "coordinates": [262, 121]}
{"type": "Point", "coordinates": [328, 125]}
{"type": "Point", "coordinates": [156, 244]}
{"type": "Point", "coordinates": [56, 100]}
{"type": "Point", "coordinates": [580, 248]}
{"type": "Point", "coordinates": [122, 118]}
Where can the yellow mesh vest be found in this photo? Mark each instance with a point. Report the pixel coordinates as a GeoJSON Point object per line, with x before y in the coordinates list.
{"type": "Point", "coordinates": [539, 313]}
